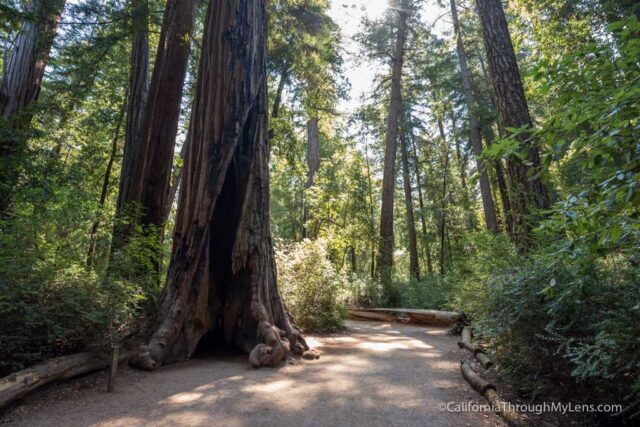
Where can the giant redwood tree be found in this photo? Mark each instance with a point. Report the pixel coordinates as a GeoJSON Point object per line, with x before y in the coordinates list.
{"type": "Point", "coordinates": [513, 112]}
{"type": "Point", "coordinates": [385, 249]}
{"type": "Point", "coordinates": [222, 278]}
{"type": "Point", "coordinates": [21, 81]}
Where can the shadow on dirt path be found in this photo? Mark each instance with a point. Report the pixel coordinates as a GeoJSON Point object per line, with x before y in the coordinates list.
{"type": "Point", "coordinates": [372, 374]}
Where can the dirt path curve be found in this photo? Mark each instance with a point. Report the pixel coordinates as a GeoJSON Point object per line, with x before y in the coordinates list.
{"type": "Point", "coordinates": [372, 374]}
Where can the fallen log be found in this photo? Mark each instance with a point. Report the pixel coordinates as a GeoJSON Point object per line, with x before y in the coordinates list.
{"type": "Point", "coordinates": [417, 316]}
{"type": "Point", "coordinates": [19, 384]}
{"type": "Point", "coordinates": [488, 390]}
{"type": "Point", "coordinates": [478, 384]}
{"type": "Point", "coordinates": [484, 360]}
{"type": "Point", "coordinates": [473, 347]}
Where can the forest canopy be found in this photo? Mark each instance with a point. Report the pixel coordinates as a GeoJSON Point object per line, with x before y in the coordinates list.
{"type": "Point", "coordinates": [178, 172]}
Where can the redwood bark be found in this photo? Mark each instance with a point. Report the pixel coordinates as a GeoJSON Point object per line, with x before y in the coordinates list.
{"type": "Point", "coordinates": [138, 93]}
{"type": "Point", "coordinates": [476, 137]}
{"type": "Point", "coordinates": [514, 113]}
{"type": "Point", "coordinates": [385, 249]}
{"type": "Point", "coordinates": [222, 277]}
{"type": "Point", "coordinates": [313, 164]}
{"type": "Point", "coordinates": [414, 266]}
{"type": "Point", "coordinates": [21, 82]}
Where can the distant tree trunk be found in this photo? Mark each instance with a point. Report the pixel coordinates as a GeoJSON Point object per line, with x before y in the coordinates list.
{"type": "Point", "coordinates": [277, 100]}
{"type": "Point", "coordinates": [414, 266]}
{"type": "Point", "coordinates": [175, 181]}
{"type": "Point", "coordinates": [514, 113]}
{"type": "Point", "coordinates": [126, 210]}
{"type": "Point", "coordinates": [371, 214]}
{"type": "Point", "coordinates": [423, 222]}
{"type": "Point", "coordinates": [443, 204]}
{"type": "Point", "coordinates": [222, 278]}
{"type": "Point", "coordinates": [385, 249]}
{"type": "Point", "coordinates": [476, 138]}
{"type": "Point", "coordinates": [21, 81]}
{"type": "Point", "coordinates": [466, 197]}
{"type": "Point", "coordinates": [313, 164]}
{"type": "Point", "coordinates": [104, 192]}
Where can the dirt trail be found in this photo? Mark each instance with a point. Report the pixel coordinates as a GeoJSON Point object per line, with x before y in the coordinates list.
{"type": "Point", "coordinates": [372, 374]}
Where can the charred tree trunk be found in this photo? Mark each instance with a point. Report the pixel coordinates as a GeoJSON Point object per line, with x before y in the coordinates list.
{"type": "Point", "coordinates": [385, 249]}
{"type": "Point", "coordinates": [313, 164]}
{"type": "Point", "coordinates": [222, 277]}
{"type": "Point", "coordinates": [21, 81]}
{"type": "Point", "coordinates": [414, 266]}
{"type": "Point", "coordinates": [476, 137]}
{"type": "Point", "coordinates": [514, 113]}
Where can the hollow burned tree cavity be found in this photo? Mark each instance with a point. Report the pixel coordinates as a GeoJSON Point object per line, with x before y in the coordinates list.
{"type": "Point", "coordinates": [222, 278]}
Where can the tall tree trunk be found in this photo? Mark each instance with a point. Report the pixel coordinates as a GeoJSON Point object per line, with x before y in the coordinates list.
{"type": "Point", "coordinates": [423, 222]}
{"type": "Point", "coordinates": [313, 164]}
{"type": "Point", "coordinates": [222, 278]}
{"type": "Point", "coordinates": [277, 100]}
{"type": "Point", "coordinates": [175, 181]}
{"type": "Point", "coordinates": [105, 187]}
{"type": "Point", "coordinates": [414, 266]}
{"type": "Point", "coordinates": [371, 214]}
{"type": "Point", "coordinates": [127, 211]}
{"type": "Point", "coordinates": [497, 163]}
{"type": "Point", "coordinates": [476, 137]}
{"type": "Point", "coordinates": [21, 81]}
{"type": "Point", "coordinates": [385, 249]}
{"type": "Point", "coordinates": [514, 113]}
{"type": "Point", "coordinates": [443, 204]}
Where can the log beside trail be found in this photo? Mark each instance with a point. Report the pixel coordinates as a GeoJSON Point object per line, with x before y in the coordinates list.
{"type": "Point", "coordinates": [473, 347]}
{"type": "Point", "coordinates": [19, 384]}
{"type": "Point", "coordinates": [488, 390]}
{"type": "Point", "coordinates": [420, 317]}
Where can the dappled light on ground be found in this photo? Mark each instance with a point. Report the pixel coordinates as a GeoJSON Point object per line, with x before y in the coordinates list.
{"type": "Point", "coordinates": [372, 374]}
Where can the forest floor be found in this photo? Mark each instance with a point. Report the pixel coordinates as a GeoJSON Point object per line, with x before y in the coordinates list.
{"type": "Point", "coordinates": [370, 374]}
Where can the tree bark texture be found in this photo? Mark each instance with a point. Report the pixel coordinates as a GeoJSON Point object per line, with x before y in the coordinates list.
{"type": "Point", "coordinates": [385, 249]}
{"type": "Point", "coordinates": [514, 113]}
{"type": "Point", "coordinates": [414, 266]}
{"type": "Point", "coordinates": [138, 93]}
{"type": "Point", "coordinates": [476, 137]}
{"type": "Point", "coordinates": [222, 277]}
{"type": "Point", "coordinates": [21, 82]}
{"type": "Point", "coordinates": [313, 164]}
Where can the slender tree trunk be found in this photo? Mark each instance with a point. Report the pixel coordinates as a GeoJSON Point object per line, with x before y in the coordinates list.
{"type": "Point", "coordinates": [104, 192]}
{"type": "Point", "coordinates": [476, 137]}
{"type": "Point", "coordinates": [385, 249]}
{"type": "Point", "coordinates": [275, 109]}
{"type": "Point", "coordinates": [313, 164]}
{"type": "Point", "coordinates": [371, 214]}
{"type": "Point", "coordinates": [222, 278]}
{"type": "Point", "coordinates": [127, 211]}
{"type": "Point", "coordinates": [175, 181]}
{"type": "Point", "coordinates": [423, 222]}
{"type": "Point", "coordinates": [443, 204]}
{"type": "Point", "coordinates": [514, 113]}
{"type": "Point", "coordinates": [414, 266]}
{"type": "Point", "coordinates": [21, 81]}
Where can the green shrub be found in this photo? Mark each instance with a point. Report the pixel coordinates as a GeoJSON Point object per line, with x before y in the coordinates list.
{"type": "Point", "coordinates": [312, 289]}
